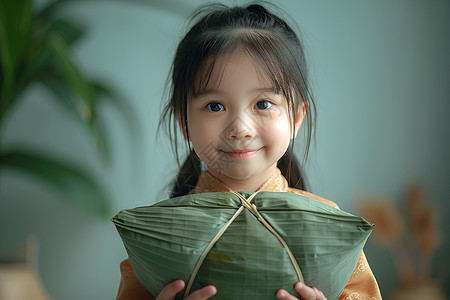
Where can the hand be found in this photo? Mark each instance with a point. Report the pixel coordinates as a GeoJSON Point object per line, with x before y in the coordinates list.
{"type": "Point", "coordinates": [172, 289]}
{"type": "Point", "coordinates": [306, 293]}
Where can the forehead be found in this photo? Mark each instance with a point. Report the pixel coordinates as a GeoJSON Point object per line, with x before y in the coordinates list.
{"type": "Point", "coordinates": [235, 70]}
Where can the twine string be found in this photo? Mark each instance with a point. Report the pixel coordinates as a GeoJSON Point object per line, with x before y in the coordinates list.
{"type": "Point", "coordinates": [252, 208]}
{"type": "Point", "coordinates": [246, 203]}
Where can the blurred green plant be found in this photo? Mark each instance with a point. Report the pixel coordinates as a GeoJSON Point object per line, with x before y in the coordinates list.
{"type": "Point", "coordinates": [36, 48]}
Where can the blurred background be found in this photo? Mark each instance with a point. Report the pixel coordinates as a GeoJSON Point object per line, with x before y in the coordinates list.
{"type": "Point", "coordinates": [380, 72]}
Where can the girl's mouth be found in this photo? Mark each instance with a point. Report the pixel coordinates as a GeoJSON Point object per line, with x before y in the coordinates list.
{"type": "Point", "coordinates": [240, 154]}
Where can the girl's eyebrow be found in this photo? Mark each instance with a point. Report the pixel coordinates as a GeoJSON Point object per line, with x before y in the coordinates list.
{"type": "Point", "coordinates": [222, 92]}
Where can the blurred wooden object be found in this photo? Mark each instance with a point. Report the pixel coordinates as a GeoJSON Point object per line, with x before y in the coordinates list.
{"type": "Point", "coordinates": [420, 290]}
{"type": "Point", "coordinates": [19, 279]}
{"type": "Point", "coordinates": [411, 240]}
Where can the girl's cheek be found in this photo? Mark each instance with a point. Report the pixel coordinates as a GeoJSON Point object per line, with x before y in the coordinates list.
{"type": "Point", "coordinates": [279, 134]}
{"type": "Point", "coordinates": [281, 127]}
{"type": "Point", "coordinates": [202, 134]}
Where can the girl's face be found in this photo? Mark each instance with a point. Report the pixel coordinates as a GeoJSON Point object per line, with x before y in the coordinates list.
{"type": "Point", "coordinates": [239, 125]}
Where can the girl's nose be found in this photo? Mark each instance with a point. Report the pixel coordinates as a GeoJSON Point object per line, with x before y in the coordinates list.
{"type": "Point", "coordinates": [239, 128]}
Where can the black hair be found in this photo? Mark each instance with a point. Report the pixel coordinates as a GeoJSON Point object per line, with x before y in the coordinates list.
{"type": "Point", "coordinates": [218, 30]}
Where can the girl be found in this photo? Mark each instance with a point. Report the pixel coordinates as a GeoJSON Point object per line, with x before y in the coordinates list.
{"type": "Point", "coordinates": [239, 95]}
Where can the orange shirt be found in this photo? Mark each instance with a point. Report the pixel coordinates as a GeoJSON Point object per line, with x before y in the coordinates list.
{"type": "Point", "coordinates": [362, 283]}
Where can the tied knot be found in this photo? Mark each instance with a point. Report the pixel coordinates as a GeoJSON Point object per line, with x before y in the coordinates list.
{"type": "Point", "coordinates": [246, 204]}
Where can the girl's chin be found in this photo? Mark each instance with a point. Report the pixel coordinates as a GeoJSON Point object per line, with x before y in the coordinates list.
{"type": "Point", "coordinates": [231, 173]}
{"type": "Point", "coordinates": [238, 172]}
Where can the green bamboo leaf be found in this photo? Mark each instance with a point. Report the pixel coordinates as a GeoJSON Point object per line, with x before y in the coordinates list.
{"type": "Point", "coordinates": [56, 84]}
{"type": "Point", "coordinates": [99, 134]}
{"type": "Point", "coordinates": [37, 59]}
{"type": "Point", "coordinates": [75, 81]}
{"type": "Point", "coordinates": [29, 70]}
{"type": "Point", "coordinates": [15, 30]}
{"type": "Point", "coordinates": [69, 31]}
{"type": "Point", "coordinates": [100, 91]}
{"type": "Point", "coordinates": [235, 250]}
{"type": "Point", "coordinates": [15, 33]}
{"type": "Point", "coordinates": [103, 94]}
{"type": "Point", "coordinates": [49, 10]}
{"type": "Point", "coordinates": [40, 59]}
{"type": "Point", "coordinates": [74, 184]}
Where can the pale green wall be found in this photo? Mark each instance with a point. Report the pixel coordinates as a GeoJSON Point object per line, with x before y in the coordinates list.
{"type": "Point", "coordinates": [380, 73]}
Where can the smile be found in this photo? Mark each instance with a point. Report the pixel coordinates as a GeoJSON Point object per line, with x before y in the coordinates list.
{"type": "Point", "coordinates": [240, 154]}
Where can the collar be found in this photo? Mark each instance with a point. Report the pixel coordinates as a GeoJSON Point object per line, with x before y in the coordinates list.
{"type": "Point", "coordinates": [207, 183]}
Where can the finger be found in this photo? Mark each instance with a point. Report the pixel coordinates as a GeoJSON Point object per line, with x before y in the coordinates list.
{"type": "Point", "coordinates": [282, 294]}
{"type": "Point", "coordinates": [171, 290]}
{"type": "Point", "coordinates": [319, 294]}
{"type": "Point", "coordinates": [305, 291]}
{"type": "Point", "coordinates": [203, 293]}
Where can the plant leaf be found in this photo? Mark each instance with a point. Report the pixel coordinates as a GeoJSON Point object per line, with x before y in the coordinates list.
{"type": "Point", "coordinates": [99, 134]}
{"type": "Point", "coordinates": [103, 94]}
{"type": "Point", "coordinates": [57, 86]}
{"type": "Point", "coordinates": [67, 30]}
{"type": "Point", "coordinates": [15, 33]}
{"type": "Point", "coordinates": [48, 11]}
{"type": "Point", "coordinates": [69, 180]}
{"type": "Point", "coordinates": [15, 30]}
{"type": "Point", "coordinates": [75, 81]}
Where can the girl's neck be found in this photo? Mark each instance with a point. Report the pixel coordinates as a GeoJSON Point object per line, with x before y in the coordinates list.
{"type": "Point", "coordinates": [251, 184]}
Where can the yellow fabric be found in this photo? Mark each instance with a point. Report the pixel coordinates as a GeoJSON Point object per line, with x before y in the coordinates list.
{"type": "Point", "coordinates": [361, 286]}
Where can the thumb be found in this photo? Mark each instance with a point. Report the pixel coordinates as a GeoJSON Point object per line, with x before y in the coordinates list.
{"type": "Point", "coordinates": [171, 290]}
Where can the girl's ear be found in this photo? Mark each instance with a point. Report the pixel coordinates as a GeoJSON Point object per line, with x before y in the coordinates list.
{"type": "Point", "coordinates": [299, 116]}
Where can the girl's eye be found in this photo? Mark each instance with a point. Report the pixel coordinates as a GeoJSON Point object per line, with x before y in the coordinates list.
{"type": "Point", "coordinates": [263, 104]}
{"type": "Point", "coordinates": [215, 107]}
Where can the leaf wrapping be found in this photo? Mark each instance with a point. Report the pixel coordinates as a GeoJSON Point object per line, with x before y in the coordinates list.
{"type": "Point", "coordinates": [166, 240]}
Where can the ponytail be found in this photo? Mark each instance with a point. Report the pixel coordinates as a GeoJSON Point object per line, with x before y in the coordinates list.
{"type": "Point", "coordinates": [188, 176]}
{"type": "Point", "coordinates": [292, 170]}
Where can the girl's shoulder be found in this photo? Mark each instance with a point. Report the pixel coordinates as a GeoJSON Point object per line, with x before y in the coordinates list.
{"type": "Point", "coordinates": [312, 196]}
